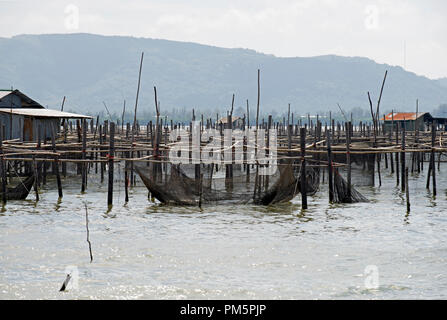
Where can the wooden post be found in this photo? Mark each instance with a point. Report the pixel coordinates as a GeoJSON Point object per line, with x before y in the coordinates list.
{"type": "Point", "coordinates": [98, 149]}
{"type": "Point", "coordinates": [122, 117]}
{"type": "Point", "coordinates": [397, 154]}
{"type": "Point", "coordinates": [101, 154]}
{"type": "Point", "coordinates": [432, 158]}
{"type": "Point", "coordinates": [64, 164]}
{"type": "Point", "coordinates": [418, 155]}
{"type": "Point", "coordinates": [289, 138]}
{"type": "Point", "coordinates": [391, 163]}
{"type": "Point", "coordinates": [56, 163]}
{"type": "Point", "coordinates": [317, 138]}
{"type": "Point", "coordinates": [288, 116]}
{"type": "Point", "coordinates": [156, 152]}
{"type": "Point", "coordinates": [111, 155]}
{"type": "Point", "coordinates": [248, 115]}
{"type": "Point", "coordinates": [303, 168]}
{"type": "Point", "coordinates": [83, 165]}
{"type": "Point", "coordinates": [332, 129]}
{"type": "Point", "coordinates": [136, 100]}
{"type": "Point", "coordinates": [259, 97]}
{"type": "Point", "coordinates": [403, 158]}
{"type": "Point", "coordinates": [39, 169]}
{"type": "Point", "coordinates": [135, 123]}
{"type": "Point", "coordinates": [151, 140]}
{"type": "Point", "coordinates": [228, 166]}
{"type": "Point", "coordinates": [429, 173]}
{"type": "Point", "coordinates": [256, 135]}
{"type": "Point", "coordinates": [329, 167]}
{"type": "Point", "coordinates": [386, 160]}
{"type": "Point", "coordinates": [78, 128]}
{"type": "Point", "coordinates": [348, 161]}
{"type": "Point", "coordinates": [378, 157]}
{"type": "Point", "coordinates": [267, 151]}
{"type": "Point", "coordinates": [35, 178]}
{"type": "Point", "coordinates": [407, 192]}
{"type": "Point", "coordinates": [247, 165]}
{"type": "Point", "coordinates": [2, 167]}
{"type": "Point", "coordinates": [126, 185]}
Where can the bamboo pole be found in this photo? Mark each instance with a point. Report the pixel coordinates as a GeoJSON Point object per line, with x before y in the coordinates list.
{"type": "Point", "coordinates": [56, 163]}
{"type": "Point", "coordinates": [111, 155]}
{"type": "Point", "coordinates": [35, 178]}
{"type": "Point", "coordinates": [348, 161]}
{"type": "Point", "coordinates": [2, 167]}
{"type": "Point", "coordinates": [407, 192]}
{"type": "Point", "coordinates": [84, 147]}
{"type": "Point", "coordinates": [433, 169]}
{"type": "Point", "coordinates": [101, 153]}
{"type": "Point", "coordinates": [397, 155]}
{"type": "Point", "coordinates": [329, 166]}
{"type": "Point", "coordinates": [402, 157]}
{"type": "Point", "coordinates": [303, 169]}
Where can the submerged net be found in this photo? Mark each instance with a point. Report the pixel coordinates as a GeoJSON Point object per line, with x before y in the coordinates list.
{"type": "Point", "coordinates": [191, 184]}
{"type": "Point", "coordinates": [342, 193]}
{"type": "Point", "coordinates": [362, 167]}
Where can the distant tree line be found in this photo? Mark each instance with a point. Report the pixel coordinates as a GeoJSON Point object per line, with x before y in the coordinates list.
{"type": "Point", "coordinates": [184, 115]}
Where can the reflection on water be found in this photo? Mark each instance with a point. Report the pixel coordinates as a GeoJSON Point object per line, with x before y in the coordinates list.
{"type": "Point", "coordinates": [145, 250]}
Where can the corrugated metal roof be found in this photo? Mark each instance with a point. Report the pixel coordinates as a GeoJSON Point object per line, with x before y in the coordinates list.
{"type": "Point", "coordinates": [400, 116]}
{"type": "Point", "coordinates": [26, 101]}
{"type": "Point", "coordinates": [43, 113]}
{"type": "Point", "coordinates": [4, 93]}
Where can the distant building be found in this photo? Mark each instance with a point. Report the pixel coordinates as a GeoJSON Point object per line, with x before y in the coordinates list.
{"type": "Point", "coordinates": [237, 122]}
{"type": "Point", "coordinates": [410, 120]}
{"type": "Point", "coordinates": [22, 117]}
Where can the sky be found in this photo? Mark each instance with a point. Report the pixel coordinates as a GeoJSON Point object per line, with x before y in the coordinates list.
{"type": "Point", "coordinates": [408, 33]}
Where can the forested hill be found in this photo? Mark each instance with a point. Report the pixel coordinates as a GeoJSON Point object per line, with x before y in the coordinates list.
{"type": "Point", "coordinates": [89, 69]}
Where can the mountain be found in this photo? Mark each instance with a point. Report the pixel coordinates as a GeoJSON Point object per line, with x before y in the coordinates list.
{"type": "Point", "coordinates": [89, 69]}
{"type": "Point", "coordinates": [442, 82]}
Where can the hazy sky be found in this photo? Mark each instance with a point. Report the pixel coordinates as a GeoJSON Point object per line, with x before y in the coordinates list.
{"type": "Point", "coordinates": [377, 29]}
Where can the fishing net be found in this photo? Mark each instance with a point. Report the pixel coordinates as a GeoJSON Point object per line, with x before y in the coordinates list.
{"type": "Point", "coordinates": [362, 168]}
{"type": "Point", "coordinates": [342, 193]}
{"type": "Point", "coordinates": [191, 184]}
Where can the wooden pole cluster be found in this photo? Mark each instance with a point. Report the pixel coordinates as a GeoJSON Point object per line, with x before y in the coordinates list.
{"type": "Point", "coordinates": [105, 144]}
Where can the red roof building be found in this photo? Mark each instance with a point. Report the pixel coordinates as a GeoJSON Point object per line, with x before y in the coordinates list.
{"type": "Point", "coordinates": [410, 120]}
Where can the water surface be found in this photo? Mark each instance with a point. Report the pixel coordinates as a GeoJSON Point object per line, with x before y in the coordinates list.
{"type": "Point", "coordinates": [144, 250]}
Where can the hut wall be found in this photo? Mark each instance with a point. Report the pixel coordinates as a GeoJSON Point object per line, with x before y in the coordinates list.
{"type": "Point", "coordinates": [409, 125]}
{"type": "Point", "coordinates": [17, 125]}
{"type": "Point", "coordinates": [45, 125]}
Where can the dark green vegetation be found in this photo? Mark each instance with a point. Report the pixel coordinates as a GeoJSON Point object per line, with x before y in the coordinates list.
{"type": "Point", "coordinates": [90, 69]}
